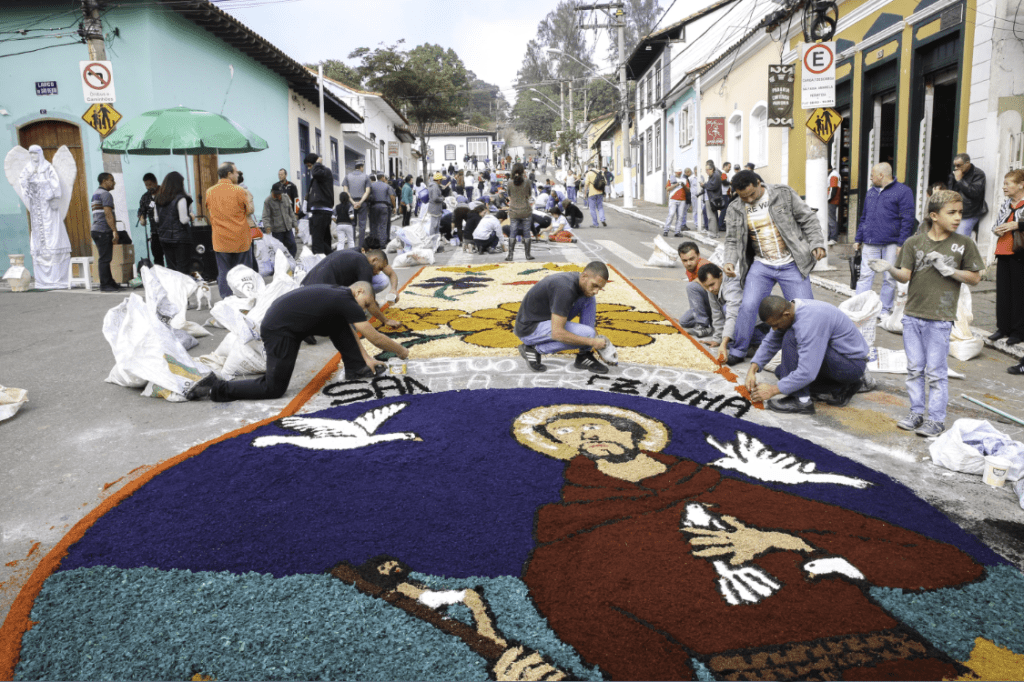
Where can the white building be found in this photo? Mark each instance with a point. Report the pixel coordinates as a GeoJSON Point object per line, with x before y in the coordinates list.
{"type": "Point", "coordinates": [383, 140]}
{"type": "Point", "coordinates": [450, 144]}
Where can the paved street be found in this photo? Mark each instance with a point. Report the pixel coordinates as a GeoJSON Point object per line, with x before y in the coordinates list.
{"type": "Point", "coordinates": [79, 439]}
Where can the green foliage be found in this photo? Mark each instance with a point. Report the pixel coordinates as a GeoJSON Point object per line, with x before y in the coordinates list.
{"type": "Point", "coordinates": [486, 103]}
{"type": "Point", "coordinates": [429, 83]}
{"type": "Point", "coordinates": [641, 18]}
{"type": "Point", "coordinates": [338, 70]}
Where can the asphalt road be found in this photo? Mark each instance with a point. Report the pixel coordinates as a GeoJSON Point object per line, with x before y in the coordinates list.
{"type": "Point", "coordinates": [79, 439]}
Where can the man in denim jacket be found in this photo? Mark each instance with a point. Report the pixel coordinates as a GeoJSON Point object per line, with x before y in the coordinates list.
{"type": "Point", "coordinates": [772, 237]}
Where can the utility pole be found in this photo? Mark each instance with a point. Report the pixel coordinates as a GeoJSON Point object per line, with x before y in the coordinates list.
{"type": "Point", "coordinates": [561, 112]}
{"type": "Point", "coordinates": [92, 32]}
{"type": "Point", "coordinates": [572, 129]}
{"type": "Point", "coordinates": [619, 15]}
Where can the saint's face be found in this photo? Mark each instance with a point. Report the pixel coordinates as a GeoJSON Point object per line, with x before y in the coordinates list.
{"type": "Point", "coordinates": [595, 439]}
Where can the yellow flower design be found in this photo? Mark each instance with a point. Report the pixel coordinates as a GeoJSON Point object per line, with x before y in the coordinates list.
{"type": "Point", "coordinates": [469, 269]}
{"type": "Point", "coordinates": [622, 324]}
{"type": "Point", "coordinates": [417, 319]}
{"type": "Point", "coordinates": [493, 327]}
{"type": "Point", "coordinates": [563, 267]}
{"type": "Point", "coordinates": [626, 327]}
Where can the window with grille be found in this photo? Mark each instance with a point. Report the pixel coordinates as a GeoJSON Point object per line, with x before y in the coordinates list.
{"type": "Point", "coordinates": [657, 81]}
{"type": "Point", "coordinates": [657, 145]}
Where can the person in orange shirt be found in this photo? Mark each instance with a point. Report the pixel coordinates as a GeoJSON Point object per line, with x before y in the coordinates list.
{"type": "Point", "coordinates": [678, 189]}
{"type": "Point", "coordinates": [227, 205]}
{"type": "Point", "coordinates": [1010, 269]}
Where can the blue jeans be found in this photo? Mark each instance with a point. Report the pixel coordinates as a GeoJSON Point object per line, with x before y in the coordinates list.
{"type": "Point", "coordinates": [836, 370]}
{"type": "Point", "coordinates": [520, 226]}
{"type": "Point", "coordinates": [585, 308]}
{"type": "Point", "coordinates": [761, 279]}
{"type": "Point", "coordinates": [967, 225]}
{"type": "Point", "coordinates": [676, 215]}
{"type": "Point", "coordinates": [105, 248]}
{"type": "Point", "coordinates": [886, 252]}
{"type": "Point", "coordinates": [288, 239]}
{"type": "Point", "coordinates": [570, 192]}
{"type": "Point", "coordinates": [700, 309]}
{"type": "Point", "coordinates": [226, 261]}
{"type": "Point", "coordinates": [927, 345]}
{"type": "Point", "coordinates": [360, 219]}
{"type": "Point", "coordinates": [596, 205]}
{"type": "Point", "coordinates": [833, 222]}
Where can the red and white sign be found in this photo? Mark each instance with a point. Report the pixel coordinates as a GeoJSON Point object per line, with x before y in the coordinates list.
{"type": "Point", "coordinates": [818, 76]}
{"type": "Point", "coordinates": [97, 82]}
{"type": "Point", "coordinates": [714, 131]}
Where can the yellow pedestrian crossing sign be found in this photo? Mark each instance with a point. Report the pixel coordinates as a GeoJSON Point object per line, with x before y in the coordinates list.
{"type": "Point", "coordinates": [102, 117]}
{"type": "Point", "coordinates": [824, 123]}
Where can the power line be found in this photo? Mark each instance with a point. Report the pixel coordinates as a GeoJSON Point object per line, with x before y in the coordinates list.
{"type": "Point", "coordinates": [15, 54]}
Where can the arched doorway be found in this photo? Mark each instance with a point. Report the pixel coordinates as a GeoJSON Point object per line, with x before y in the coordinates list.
{"type": "Point", "coordinates": [50, 135]}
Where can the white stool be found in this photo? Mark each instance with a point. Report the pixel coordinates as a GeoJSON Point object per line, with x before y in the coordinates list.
{"type": "Point", "coordinates": [85, 280]}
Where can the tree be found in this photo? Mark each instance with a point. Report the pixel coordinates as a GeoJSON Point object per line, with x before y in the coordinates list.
{"type": "Point", "coordinates": [561, 29]}
{"type": "Point", "coordinates": [429, 83]}
{"type": "Point", "coordinates": [340, 71]}
{"type": "Point", "coordinates": [642, 17]}
{"type": "Point", "coordinates": [486, 105]}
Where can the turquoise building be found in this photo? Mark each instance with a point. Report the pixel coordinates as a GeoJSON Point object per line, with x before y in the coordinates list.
{"type": "Point", "coordinates": [187, 52]}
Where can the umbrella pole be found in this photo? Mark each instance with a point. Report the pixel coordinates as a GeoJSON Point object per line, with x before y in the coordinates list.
{"type": "Point", "coordinates": [188, 179]}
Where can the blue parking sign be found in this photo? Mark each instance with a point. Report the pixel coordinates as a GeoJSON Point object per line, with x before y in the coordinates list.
{"type": "Point", "coordinates": [46, 87]}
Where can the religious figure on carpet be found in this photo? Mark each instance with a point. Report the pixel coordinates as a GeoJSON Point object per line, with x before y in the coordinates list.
{"type": "Point", "coordinates": [651, 561]}
{"type": "Point", "coordinates": [45, 188]}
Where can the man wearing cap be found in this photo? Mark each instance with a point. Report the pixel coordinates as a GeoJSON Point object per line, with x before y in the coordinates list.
{"type": "Point", "coordinates": [320, 203]}
{"type": "Point", "coordinates": [279, 217]}
{"type": "Point", "coordinates": [435, 203]}
{"type": "Point", "coordinates": [678, 194]}
{"type": "Point", "coordinates": [382, 204]}
{"type": "Point", "coordinates": [357, 184]}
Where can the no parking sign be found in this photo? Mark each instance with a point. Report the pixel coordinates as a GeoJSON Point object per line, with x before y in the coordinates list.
{"type": "Point", "coordinates": [818, 76]}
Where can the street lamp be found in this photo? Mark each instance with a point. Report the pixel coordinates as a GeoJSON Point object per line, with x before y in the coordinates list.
{"type": "Point", "coordinates": [627, 180]}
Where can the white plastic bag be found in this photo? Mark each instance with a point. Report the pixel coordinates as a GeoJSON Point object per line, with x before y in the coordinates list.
{"type": "Point", "coordinates": [963, 344]}
{"type": "Point", "coordinates": [395, 245]}
{"type": "Point", "coordinates": [235, 321]}
{"type": "Point", "coordinates": [661, 260]}
{"type": "Point", "coordinates": [304, 236]}
{"type": "Point", "coordinates": [178, 288]}
{"type": "Point", "coordinates": [11, 400]}
{"type": "Point", "coordinates": [264, 257]}
{"type": "Point", "coordinates": [893, 322]}
{"type": "Point", "coordinates": [274, 290]}
{"type": "Point", "coordinates": [245, 282]}
{"type": "Point", "coordinates": [964, 447]}
{"type": "Point", "coordinates": [246, 358]}
{"type": "Point", "coordinates": [413, 258]}
{"type": "Point", "coordinates": [145, 350]}
{"type": "Point", "coordinates": [863, 310]}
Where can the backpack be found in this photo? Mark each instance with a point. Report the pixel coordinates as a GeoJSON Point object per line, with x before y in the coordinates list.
{"type": "Point", "coordinates": [599, 182]}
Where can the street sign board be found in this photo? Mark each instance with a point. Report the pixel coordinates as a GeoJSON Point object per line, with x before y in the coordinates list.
{"type": "Point", "coordinates": [714, 130]}
{"type": "Point", "coordinates": [606, 149]}
{"type": "Point", "coordinates": [818, 75]}
{"type": "Point", "coordinates": [392, 150]}
{"type": "Point", "coordinates": [781, 78]}
{"type": "Point", "coordinates": [824, 123]}
{"type": "Point", "coordinates": [46, 87]}
{"type": "Point", "coordinates": [102, 117]}
{"type": "Point", "coordinates": [97, 82]}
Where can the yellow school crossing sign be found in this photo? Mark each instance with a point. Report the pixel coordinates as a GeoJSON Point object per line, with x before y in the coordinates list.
{"type": "Point", "coordinates": [102, 117]}
{"type": "Point", "coordinates": [824, 123]}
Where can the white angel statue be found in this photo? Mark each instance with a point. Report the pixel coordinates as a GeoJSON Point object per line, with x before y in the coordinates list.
{"type": "Point", "coordinates": [45, 189]}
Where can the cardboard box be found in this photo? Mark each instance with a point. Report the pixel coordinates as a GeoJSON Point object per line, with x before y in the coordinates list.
{"type": "Point", "coordinates": [122, 263]}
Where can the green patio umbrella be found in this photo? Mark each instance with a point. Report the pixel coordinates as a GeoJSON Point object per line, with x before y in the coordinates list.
{"type": "Point", "coordinates": [183, 131]}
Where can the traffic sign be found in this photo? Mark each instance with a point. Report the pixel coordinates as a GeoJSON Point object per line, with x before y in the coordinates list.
{"type": "Point", "coordinates": [818, 76]}
{"type": "Point", "coordinates": [824, 123]}
{"type": "Point", "coordinates": [97, 82]}
{"type": "Point", "coordinates": [102, 117]}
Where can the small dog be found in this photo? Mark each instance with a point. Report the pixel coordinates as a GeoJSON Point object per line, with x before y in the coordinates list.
{"type": "Point", "coordinates": [202, 292]}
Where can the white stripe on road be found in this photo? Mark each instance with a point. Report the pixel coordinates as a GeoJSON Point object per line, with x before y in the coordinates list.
{"type": "Point", "coordinates": [625, 254]}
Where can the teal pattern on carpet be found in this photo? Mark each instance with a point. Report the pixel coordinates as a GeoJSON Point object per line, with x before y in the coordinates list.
{"type": "Point", "coordinates": [143, 624]}
{"type": "Point", "coordinates": [952, 618]}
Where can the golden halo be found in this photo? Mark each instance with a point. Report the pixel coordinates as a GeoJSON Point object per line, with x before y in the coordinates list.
{"type": "Point", "coordinates": [524, 428]}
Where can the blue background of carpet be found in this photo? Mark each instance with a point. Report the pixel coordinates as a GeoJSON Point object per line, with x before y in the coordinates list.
{"type": "Point", "coordinates": [460, 503]}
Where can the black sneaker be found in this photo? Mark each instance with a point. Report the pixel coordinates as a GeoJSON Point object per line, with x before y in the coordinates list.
{"type": "Point", "coordinates": [311, 340]}
{"type": "Point", "coordinates": [604, 224]}
{"type": "Point", "coordinates": [586, 360]}
{"type": "Point", "coordinates": [364, 373]}
{"type": "Point", "coordinates": [532, 357]}
{"type": "Point", "coordinates": [790, 405]}
{"type": "Point", "coordinates": [202, 388]}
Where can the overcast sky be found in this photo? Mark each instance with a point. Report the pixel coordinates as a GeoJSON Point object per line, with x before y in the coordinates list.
{"type": "Point", "coordinates": [489, 36]}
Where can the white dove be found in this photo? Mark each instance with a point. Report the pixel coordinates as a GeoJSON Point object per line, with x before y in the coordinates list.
{"type": "Point", "coordinates": [339, 434]}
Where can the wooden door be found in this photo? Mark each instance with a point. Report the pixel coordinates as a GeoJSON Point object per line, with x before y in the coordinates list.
{"type": "Point", "coordinates": [204, 174]}
{"type": "Point", "coordinates": [51, 135]}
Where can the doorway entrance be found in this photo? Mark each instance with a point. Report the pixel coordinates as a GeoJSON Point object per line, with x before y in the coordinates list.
{"type": "Point", "coordinates": [51, 135]}
{"type": "Point", "coordinates": [940, 99]}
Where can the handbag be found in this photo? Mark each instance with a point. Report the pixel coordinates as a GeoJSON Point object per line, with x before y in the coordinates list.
{"type": "Point", "coordinates": [855, 264]}
{"type": "Point", "coordinates": [1018, 241]}
{"type": "Point", "coordinates": [255, 233]}
{"type": "Point", "coordinates": [716, 203]}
